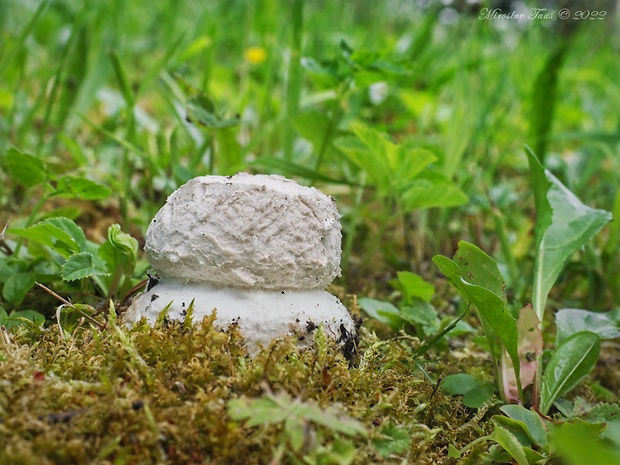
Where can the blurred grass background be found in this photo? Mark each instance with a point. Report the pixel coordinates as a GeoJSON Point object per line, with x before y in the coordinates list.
{"type": "Point", "coordinates": [102, 89]}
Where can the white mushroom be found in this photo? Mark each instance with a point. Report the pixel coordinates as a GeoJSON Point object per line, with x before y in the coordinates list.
{"type": "Point", "coordinates": [258, 249]}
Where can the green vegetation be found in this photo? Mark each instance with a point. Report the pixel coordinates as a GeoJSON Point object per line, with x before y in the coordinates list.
{"type": "Point", "coordinates": [415, 119]}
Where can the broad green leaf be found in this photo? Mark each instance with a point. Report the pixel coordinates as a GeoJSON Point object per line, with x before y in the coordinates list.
{"type": "Point", "coordinates": [22, 317]}
{"type": "Point", "coordinates": [295, 430]}
{"type": "Point", "coordinates": [432, 190]}
{"type": "Point", "coordinates": [25, 169]}
{"type": "Point", "coordinates": [261, 411]}
{"type": "Point", "coordinates": [375, 165]}
{"type": "Point", "coordinates": [479, 396]}
{"type": "Point", "coordinates": [17, 286]}
{"type": "Point", "coordinates": [517, 429]}
{"type": "Point", "coordinates": [3, 316]}
{"type": "Point", "coordinates": [343, 452]}
{"type": "Point", "coordinates": [60, 234]}
{"type": "Point", "coordinates": [421, 313]}
{"type": "Point", "coordinates": [79, 266]}
{"type": "Point", "coordinates": [409, 163]}
{"type": "Point", "coordinates": [317, 128]}
{"type": "Point", "coordinates": [413, 285]}
{"type": "Point", "coordinates": [382, 311]}
{"type": "Point", "coordinates": [510, 444]}
{"type": "Point", "coordinates": [571, 362]}
{"type": "Point", "coordinates": [459, 384]}
{"type": "Point", "coordinates": [533, 423]}
{"type": "Point", "coordinates": [578, 443]}
{"type": "Point", "coordinates": [563, 226]}
{"type": "Point", "coordinates": [81, 188]}
{"type": "Point", "coordinates": [395, 440]}
{"type": "Point", "coordinates": [331, 418]}
{"type": "Point", "coordinates": [571, 320]}
{"type": "Point", "coordinates": [477, 278]}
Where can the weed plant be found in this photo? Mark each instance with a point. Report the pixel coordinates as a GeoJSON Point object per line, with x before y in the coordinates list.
{"type": "Point", "coordinates": [413, 115]}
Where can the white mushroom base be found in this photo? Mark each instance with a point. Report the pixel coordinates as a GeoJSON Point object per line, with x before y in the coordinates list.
{"type": "Point", "coordinates": [262, 315]}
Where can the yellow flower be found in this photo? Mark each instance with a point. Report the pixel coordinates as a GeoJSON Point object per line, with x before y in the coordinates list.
{"type": "Point", "coordinates": [255, 55]}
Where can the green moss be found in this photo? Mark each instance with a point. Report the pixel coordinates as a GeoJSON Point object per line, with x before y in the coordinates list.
{"type": "Point", "coordinates": [160, 395]}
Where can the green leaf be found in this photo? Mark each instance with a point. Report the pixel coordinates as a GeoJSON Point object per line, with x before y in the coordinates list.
{"type": "Point", "coordinates": [3, 317]}
{"type": "Point", "coordinates": [60, 234]}
{"type": "Point", "coordinates": [23, 317]}
{"type": "Point", "coordinates": [477, 278]}
{"type": "Point", "coordinates": [395, 440]}
{"type": "Point", "coordinates": [432, 190]}
{"type": "Point", "coordinates": [374, 164]}
{"type": "Point", "coordinates": [571, 320]}
{"type": "Point", "coordinates": [510, 444]}
{"type": "Point", "coordinates": [563, 225]}
{"type": "Point", "coordinates": [17, 286]}
{"type": "Point", "coordinates": [413, 285]}
{"type": "Point", "coordinates": [79, 266]}
{"type": "Point", "coordinates": [382, 311]}
{"type": "Point", "coordinates": [459, 384]}
{"type": "Point", "coordinates": [572, 361]}
{"type": "Point", "coordinates": [453, 452]}
{"type": "Point", "coordinates": [81, 188]}
{"type": "Point", "coordinates": [422, 315]}
{"type": "Point", "coordinates": [261, 411]}
{"type": "Point", "coordinates": [317, 128]}
{"type": "Point", "coordinates": [578, 443]}
{"type": "Point", "coordinates": [25, 169]}
{"type": "Point", "coordinates": [479, 396]}
{"type": "Point", "coordinates": [532, 422]}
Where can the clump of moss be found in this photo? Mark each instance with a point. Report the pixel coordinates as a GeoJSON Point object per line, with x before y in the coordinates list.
{"type": "Point", "coordinates": [161, 395]}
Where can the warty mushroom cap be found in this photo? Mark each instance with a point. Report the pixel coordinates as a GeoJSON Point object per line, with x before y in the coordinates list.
{"type": "Point", "coordinates": [247, 231]}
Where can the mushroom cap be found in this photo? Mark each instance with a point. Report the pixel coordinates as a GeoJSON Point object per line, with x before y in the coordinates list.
{"type": "Point", "coordinates": [247, 231]}
{"type": "Point", "coordinates": [261, 315]}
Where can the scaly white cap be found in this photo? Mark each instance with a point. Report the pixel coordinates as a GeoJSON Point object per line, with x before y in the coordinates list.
{"type": "Point", "coordinates": [247, 231]}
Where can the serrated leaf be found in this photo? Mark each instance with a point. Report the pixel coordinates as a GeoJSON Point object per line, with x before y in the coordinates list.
{"type": "Point", "coordinates": [79, 266]}
{"type": "Point", "coordinates": [564, 225]}
{"type": "Point", "coordinates": [24, 168]}
{"type": "Point", "coordinates": [579, 443]}
{"type": "Point", "coordinates": [60, 234]}
{"type": "Point", "coordinates": [572, 320]}
{"type": "Point", "coordinates": [81, 188]}
{"type": "Point", "coordinates": [395, 440]}
{"type": "Point", "coordinates": [413, 285]}
{"type": "Point", "coordinates": [432, 190]}
{"type": "Point", "coordinates": [571, 362]}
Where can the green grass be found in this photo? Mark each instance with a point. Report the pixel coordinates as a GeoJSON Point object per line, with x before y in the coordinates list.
{"type": "Point", "coordinates": [101, 92]}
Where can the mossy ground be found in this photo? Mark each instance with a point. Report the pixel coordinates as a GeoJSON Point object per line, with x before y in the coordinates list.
{"type": "Point", "coordinates": [160, 395]}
